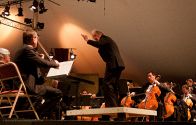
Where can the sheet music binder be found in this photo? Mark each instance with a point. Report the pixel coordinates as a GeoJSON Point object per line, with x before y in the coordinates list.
{"type": "Point", "coordinates": [63, 70]}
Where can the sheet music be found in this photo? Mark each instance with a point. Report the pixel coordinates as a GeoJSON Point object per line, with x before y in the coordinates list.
{"type": "Point", "coordinates": [64, 69]}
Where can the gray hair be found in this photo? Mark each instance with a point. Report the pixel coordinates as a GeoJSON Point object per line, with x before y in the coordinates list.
{"type": "Point", "coordinates": [3, 52]}
{"type": "Point", "coordinates": [96, 32]}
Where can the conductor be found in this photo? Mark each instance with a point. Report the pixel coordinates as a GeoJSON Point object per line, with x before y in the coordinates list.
{"type": "Point", "coordinates": [110, 54]}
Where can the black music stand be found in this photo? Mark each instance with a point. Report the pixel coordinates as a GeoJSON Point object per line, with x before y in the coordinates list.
{"type": "Point", "coordinates": [86, 100]}
{"type": "Point", "coordinates": [77, 81]}
{"type": "Point", "coordinates": [83, 100]}
{"type": "Point", "coordinates": [62, 74]}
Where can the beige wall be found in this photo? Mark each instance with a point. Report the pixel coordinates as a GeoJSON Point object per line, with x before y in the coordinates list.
{"type": "Point", "coordinates": [154, 35]}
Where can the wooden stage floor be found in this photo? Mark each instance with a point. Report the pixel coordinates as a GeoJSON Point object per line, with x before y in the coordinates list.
{"type": "Point", "coordinates": [72, 122]}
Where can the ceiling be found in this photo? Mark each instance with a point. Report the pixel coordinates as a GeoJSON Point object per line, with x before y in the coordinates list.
{"type": "Point", "coordinates": [157, 35]}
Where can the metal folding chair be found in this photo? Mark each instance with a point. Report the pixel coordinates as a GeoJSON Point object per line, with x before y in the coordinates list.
{"type": "Point", "coordinates": [9, 98]}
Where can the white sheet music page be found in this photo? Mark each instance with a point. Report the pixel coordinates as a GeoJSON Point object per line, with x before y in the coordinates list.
{"type": "Point", "coordinates": [64, 69]}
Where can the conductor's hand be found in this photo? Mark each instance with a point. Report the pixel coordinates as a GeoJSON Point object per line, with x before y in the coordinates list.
{"type": "Point", "coordinates": [85, 37]}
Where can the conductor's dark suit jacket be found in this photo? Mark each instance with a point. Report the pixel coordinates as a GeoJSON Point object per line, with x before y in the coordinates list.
{"type": "Point", "coordinates": [109, 52]}
{"type": "Point", "coordinates": [29, 63]}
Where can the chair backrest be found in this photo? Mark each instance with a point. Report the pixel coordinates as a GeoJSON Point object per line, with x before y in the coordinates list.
{"type": "Point", "coordinates": [9, 71]}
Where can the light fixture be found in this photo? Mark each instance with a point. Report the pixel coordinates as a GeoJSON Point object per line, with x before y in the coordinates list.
{"type": "Point", "coordinates": [42, 7]}
{"type": "Point", "coordinates": [28, 21]}
{"type": "Point", "coordinates": [92, 1]}
{"type": "Point", "coordinates": [72, 55]}
{"type": "Point", "coordinates": [89, 0]}
{"type": "Point", "coordinates": [20, 11]}
{"type": "Point", "coordinates": [6, 11]}
{"type": "Point", "coordinates": [34, 7]}
{"type": "Point", "coordinates": [40, 25]}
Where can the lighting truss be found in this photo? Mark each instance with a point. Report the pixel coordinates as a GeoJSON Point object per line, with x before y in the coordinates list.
{"type": "Point", "coordinates": [14, 24]}
{"type": "Point", "coordinates": [14, 2]}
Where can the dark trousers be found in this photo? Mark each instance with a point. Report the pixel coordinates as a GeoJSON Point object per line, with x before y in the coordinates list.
{"type": "Point", "coordinates": [160, 111]}
{"type": "Point", "coordinates": [52, 98]}
{"type": "Point", "coordinates": [110, 87]}
{"type": "Point", "coordinates": [193, 114]}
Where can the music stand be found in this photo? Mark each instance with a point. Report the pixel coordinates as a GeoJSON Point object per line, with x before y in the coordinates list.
{"type": "Point", "coordinates": [63, 72]}
{"type": "Point", "coordinates": [86, 100]}
{"type": "Point", "coordinates": [83, 100]}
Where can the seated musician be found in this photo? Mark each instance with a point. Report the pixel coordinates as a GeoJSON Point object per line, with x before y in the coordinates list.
{"type": "Point", "coordinates": [152, 92]}
{"type": "Point", "coordinates": [193, 94]}
{"type": "Point", "coordinates": [184, 105]}
{"type": "Point", "coordinates": [5, 58]}
{"type": "Point", "coordinates": [169, 102]}
{"type": "Point", "coordinates": [29, 62]}
{"type": "Point", "coordinates": [190, 84]}
{"type": "Point", "coordinates": [189, 100]}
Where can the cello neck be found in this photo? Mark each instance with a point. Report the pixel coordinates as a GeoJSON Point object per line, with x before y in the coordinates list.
{"type": "Point", "coordinates": [43, 49]}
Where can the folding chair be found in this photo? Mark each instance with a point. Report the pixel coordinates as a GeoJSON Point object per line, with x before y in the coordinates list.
{"type": "Point", "coordinates": [9, 98]}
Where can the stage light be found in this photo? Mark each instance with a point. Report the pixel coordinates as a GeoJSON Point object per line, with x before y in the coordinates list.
{"type": "Point", "coordinates": [40, 25]}
{"type": "Point", "coordinates": [20, 10]}
{"type": "Point", "coordinates": [92, 1]}
{"type": "Point", "coordinates": [89, 0]}
{"type": "Point", "coordinates": [6, 11]}
{"type": "Point", "coordinates": [42, 7]}
{"type": "Point", "coordinates": [72, 55]}
{"type": "Point", "coordinates": [34, 7]}
{"type": "Point", "coordinates": [28, 21]}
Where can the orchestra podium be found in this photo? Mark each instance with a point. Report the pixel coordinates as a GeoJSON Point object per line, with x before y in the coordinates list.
{"type": "Point", "coordinates": [113, 111]}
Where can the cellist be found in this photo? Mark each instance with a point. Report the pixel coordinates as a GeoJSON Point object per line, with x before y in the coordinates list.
{"type": "Point", "coordinates": [30, 63]}
{"type": "Point", "coordinates": [189, 99]}
{"type": "Point", "coordinates": [152, 92]}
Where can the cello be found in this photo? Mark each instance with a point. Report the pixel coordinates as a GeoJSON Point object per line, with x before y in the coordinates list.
{"type": "Point", "coordinates": [189, 103]}
{"type": "Point", "coordinates": [187, 99]}
{"type": "Point", "coordinates": [169, 101]}
{"type": "Point", "coordinates": [127, 101]}
{"type": "Point", "coordinates": [150, 102]}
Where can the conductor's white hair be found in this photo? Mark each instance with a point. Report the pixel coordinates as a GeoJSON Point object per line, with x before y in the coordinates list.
{"type": "Point", "coordinates": [95, 31]}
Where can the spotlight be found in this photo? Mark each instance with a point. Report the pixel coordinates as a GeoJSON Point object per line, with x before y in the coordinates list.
{"type": "Point", "coordinates": [72, 55]}
{"type": "Point", "coordinates": [42, 7]}
{"type": "Point", "coordinates": [28, 21]}
{"type": "Point", "coordinates": [89, 0]}
{"type": "Point", "coordinates": [20, 10]}
{"type": "Point", "coordinates": [6, 11]}
{"type": "Point", "coordinates": [34, 7]}
{"type": "Point", "coordinates": [40, 25]}
{"type": "Point", "coordinates": [92, 1]}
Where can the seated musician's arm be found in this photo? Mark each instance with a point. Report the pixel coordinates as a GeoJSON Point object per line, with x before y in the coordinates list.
{"type": "Point", "coordinates": [39, 60]}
